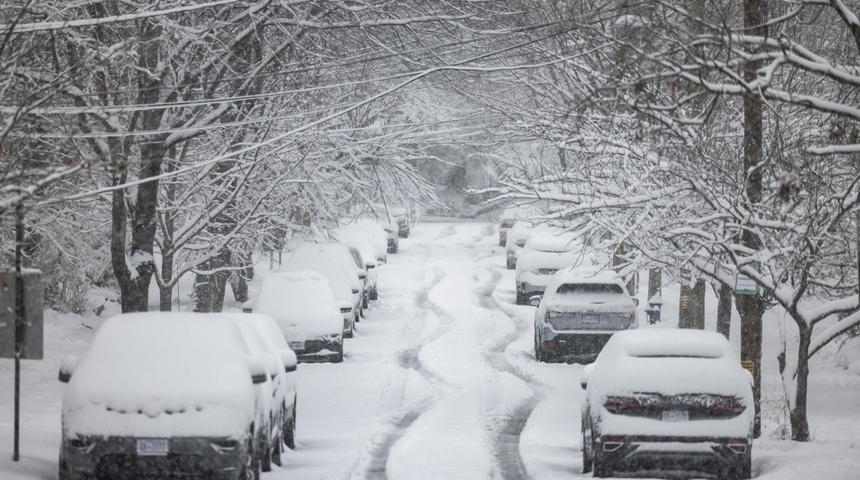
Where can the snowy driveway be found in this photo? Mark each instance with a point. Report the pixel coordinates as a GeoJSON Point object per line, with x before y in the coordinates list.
{"type": "Point", "coordinates": [440, 382]}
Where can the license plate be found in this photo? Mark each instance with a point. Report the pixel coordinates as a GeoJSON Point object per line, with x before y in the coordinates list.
{"type": "Point", "coordinates": [589, 319]}
{"type": "Point", "coordinates": [297, 345]}
{"type": "Point", "coordinates": [676, 416]}
{"type": "Point", "coordinates": [152, 446]}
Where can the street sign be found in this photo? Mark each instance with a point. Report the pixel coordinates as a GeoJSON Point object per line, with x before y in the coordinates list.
{"type": "Point", "coordinates": [745, 285]}
{"type": "Point", "coordinates": [32, 339]}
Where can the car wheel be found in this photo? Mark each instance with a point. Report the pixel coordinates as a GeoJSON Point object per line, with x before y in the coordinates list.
{"type": "Point", "coordinates": [511, 264]}
{"type": "Point", "coordinates": [374, 294]}
{"type": "Point", "coordinates": [601, 468]}
{"type": "Point", "coordinates": [264, 452]}
{"type": "Point", "coordinates": [587, 447]}
{"type": "Point", "coordinates": [277, 448]}
{"type": "Point", "coordinates": [539, 355]}
{"type": "Point", "coordinates": [252, 468]}
{"type": "Point", "coordinates": [290, 429]}
{"type": "Point", "coordinates": [742, 471]}
{"type": "Point", "coordinates": [521, 298]}
{"type": "Point", "coordinates": [338, 355]}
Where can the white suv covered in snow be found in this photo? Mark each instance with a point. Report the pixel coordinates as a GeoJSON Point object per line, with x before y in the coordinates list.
{"type": "Point", "coordinates": [163, 395]}
{"type": "Point", "coordinates": [667, 401]}
{"type": "Point", "coordinates": [579, 311]}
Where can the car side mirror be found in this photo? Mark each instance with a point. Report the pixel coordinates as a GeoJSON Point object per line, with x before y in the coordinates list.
{"type": "Point", "coordinates": [535, 300]}
{"type": "Point", "coordinates": [67, 367]}
{"type": "Point", "coordinates": [248, 307]}
{"type": "Point", "coordinates": [635, 301]}
{"type": "Point", "coordinates": [291, 363]}
{"type": "Point", "coordinates": [586, 372]}
{"type": "Point", "coordinates": [258, 370]}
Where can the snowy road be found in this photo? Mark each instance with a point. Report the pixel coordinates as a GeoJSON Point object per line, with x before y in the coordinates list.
{"type": "Point", "coordinates": [440, 382]}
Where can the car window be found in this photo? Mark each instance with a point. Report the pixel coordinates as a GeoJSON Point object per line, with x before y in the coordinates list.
{"type": "Point", "coordinates": [578, 288]}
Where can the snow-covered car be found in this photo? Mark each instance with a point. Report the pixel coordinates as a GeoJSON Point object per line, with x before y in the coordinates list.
{"type": "Point", "coordinates": [579, 312]}
{"type": "Point", "coordinates": [347, 256]}
{"type": "Point", "coordinates": [261, 333]}
{"type": "Point", "coordinates": [341, 282]}
{"type": "Point", "coordinates": [271, 333]}
{"type": "Point", "coordinates": [400, 217]}
{"type": "Point", "coordinates": [540, 258]}
{"type": "Point", "coordinates": [512, 214]}
{"type": "Point", "coordinates": [358, 240]}
{"type": "Point", "coordinates": [517, 237]}
{"type": "Point", "coordinates": [667, 401]}
{"type": "Point", "coordinates": [162, 394]}
{"type": "Point", "coordinates": [377, 236]}
{"type": "Point", "coordinates": [310, 317]}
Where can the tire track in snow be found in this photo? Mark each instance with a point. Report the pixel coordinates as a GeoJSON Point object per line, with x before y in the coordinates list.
{"type": "Point", "coordinates": [506, 443]}
{"type": "Point", "coordinates": [463, 302]}
{"type": "Point", "coordinates": [407, 358]}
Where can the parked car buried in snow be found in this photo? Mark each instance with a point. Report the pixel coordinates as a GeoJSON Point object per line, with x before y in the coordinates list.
{"type": "Point", "coordinates": [306, 310]}
{"type": "Point", "coordinates": [667, 401]}
{"type": "Point", "coordinates": [541, 257]}
{"type": "Point", "coordinates": [261, 333]}
{"type": "Point", "coordinates": [517, 237]}
{"type": "Point", "coordinates": [161, 395]}
{"type": "Point", "coordinates": [579, 312]}
{"type": "Point", "coordinates": [515, 213]}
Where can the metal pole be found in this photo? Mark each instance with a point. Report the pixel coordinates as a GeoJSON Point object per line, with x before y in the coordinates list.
{"type": "Point", "coordinates": [19, 320]}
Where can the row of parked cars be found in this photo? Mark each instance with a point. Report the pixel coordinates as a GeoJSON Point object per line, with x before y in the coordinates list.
{"type": "Point", "coordinates": [656, 401]}
{"type": "Point", "coordinates": [206, 395]}
{"type": "Point", "coordinates": [318, 295]}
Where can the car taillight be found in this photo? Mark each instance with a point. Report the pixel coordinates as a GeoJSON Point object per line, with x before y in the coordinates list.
{"type": "Point", "coordinates": [727, 404]}
{"type": "Point", "coordinates": [345, 309]}
{"type": "Point", "coordinates": [507, 225]}
{"type": "Point", "coordinates": [83, 445]}
{"type": "Point", "coordinates": [615, 404]}
{"type": "Point", "coordinates": [521, 244]}
{"type": "Point", "coordinates": [553, 313]}
{"type": "Point", "coordinates": [611, 444]}
{"type": "Point", "coordinates": [737, 445]}
{"type": "Point", "coordinates": [225, 445]}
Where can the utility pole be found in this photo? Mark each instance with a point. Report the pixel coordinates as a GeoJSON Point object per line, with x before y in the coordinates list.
{"type": "Point", "coordinates": [691, 312]}
{"type": "Point", "coordinates": [751, 307]}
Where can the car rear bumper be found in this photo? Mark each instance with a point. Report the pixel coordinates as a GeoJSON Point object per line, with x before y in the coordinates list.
{"type": "Point", "coordinates": [642, 454]}
{"type": "Point", "coordinates": [574, 346]}
{"type": "Point", "coordinates": [188, 457]}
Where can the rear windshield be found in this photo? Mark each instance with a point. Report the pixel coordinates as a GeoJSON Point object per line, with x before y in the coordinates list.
{"type": "Point", "coordinates": [590, 288]}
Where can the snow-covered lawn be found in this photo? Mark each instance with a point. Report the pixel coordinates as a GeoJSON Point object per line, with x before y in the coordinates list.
{"type": "Point", "coordinates": [440, 382]}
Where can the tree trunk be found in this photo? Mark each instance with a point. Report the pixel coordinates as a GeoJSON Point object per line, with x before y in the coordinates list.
{"type": "Point", "coordinates": [209, 288]}
{"type": "Point", "coordinates": [750, 308]}
{"type": "Point", "coordinates": [797, 415]}
{"type": "Point", "coordinates": [134, 288]}
{"type": "Point", "coordinates": [725, 294]}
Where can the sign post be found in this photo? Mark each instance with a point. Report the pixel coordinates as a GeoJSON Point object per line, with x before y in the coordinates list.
{"type": "Point", "coordinates": [21, 318]}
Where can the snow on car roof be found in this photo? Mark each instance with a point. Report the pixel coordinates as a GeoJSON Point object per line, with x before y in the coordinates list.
{"type": "Point", "coordinates": [675, 343]}
{"type": "Point", "coordinates": [669, 361]}
{"type": "Point", "coordinates": [341, 282]}
{"type": "Point", "coordinates": [360, 240]}
{"type": "Point", "coordinates": [301, 302]}
{"type": "Point", "coordinates": [143, 368]}
{"type": "Point", "coordinates": [328, 252]}
{"type": "Point", "coordinates": [564, 242]}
